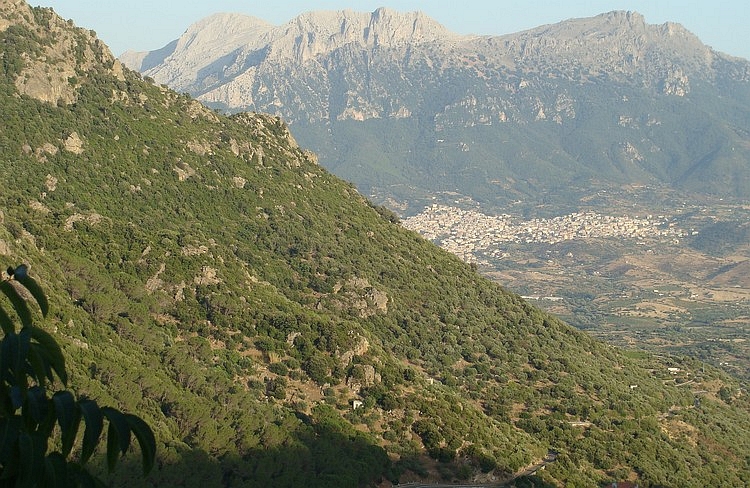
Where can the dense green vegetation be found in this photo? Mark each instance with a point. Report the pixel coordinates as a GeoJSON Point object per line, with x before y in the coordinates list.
{"type": "Point", "coordinates": [29, 358]}
{"type": "Point", "coordinates": [204, 272]}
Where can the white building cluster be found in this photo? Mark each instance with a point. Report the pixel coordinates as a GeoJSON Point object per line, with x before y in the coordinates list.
{"type": "Point", "coordinates": [467, 233]}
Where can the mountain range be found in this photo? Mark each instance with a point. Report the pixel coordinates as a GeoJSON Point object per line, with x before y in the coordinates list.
{"type": "Point", "coordinates": [407, 110]}
{"type": "Point", "coordinates": [276, 328]}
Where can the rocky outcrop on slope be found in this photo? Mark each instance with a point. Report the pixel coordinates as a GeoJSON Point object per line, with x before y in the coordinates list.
{"type": "Point", "coordinates": [51, 74]}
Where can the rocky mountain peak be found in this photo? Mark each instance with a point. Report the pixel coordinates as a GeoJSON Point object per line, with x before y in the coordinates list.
{"type": "Point", "coordinates": [213, 37]}
{"type": "Point", "coordinates": [315, 33]}
{"type": "Point", "coordinates": [390, 27]}
{"type": "Point", "coordinates": [65, 53]}
{"type": "Point", "coordinates": [618, 43]}
{"type": "Point", "coordinates": [13, 11]}
{"type": "Point", "coordinates": [324, 70]}
{"type": "Point", "coordinates": [224, 47]}
{"type": "Point", "coordinates": [613, 26]}
{"type": "Point", "coordinates": [223, 29]}
{"type": "Point", "coordinates": [624, 18]}
{"type": "Point", "coordinates": [382, 26]}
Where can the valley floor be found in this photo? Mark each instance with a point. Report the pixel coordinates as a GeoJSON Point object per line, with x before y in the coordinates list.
{"type": "Point", "coordinates": [674, 280]}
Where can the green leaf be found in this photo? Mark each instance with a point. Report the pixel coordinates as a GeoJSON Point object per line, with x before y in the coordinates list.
{"type": "Point", "coordinates": [16, 397]}
{"type": "Point", "coordinates": [94, 419]}
{"type": "Point", "coordinates": [8, 348]}
{"type": "Point", "coordinates": [36, 291]}
{"type": "Point", "coordinates": [19, 304]}
{"type": "Point", "coordinates": [118, 435]}
{"type": "Point", "coordinates": [20, 271]}
{"type": "Point", "coordinates": [53, 353]}
{"type": "Point", "coordinates": [40, 365]}
{"type": "Point", "coordinates": [6, 408]}
{"type": "Point", "coordinates": [112, 447]}
{"type": "Point", "coordinates": [55, 471]}
{"type": "Point", "coordinates": [31, 449]}
{"type": "Point", "coordinates": [37, 406]}
{"type": "Point", "coordinates": [146, 440]}
{"type": "Point", "coordinates": [13, 361]}
{"type": "Point", "coordinates": [68, 418]}
{"type": "Point", "coordinates": [6, 323]}
{"type": "Point", "coordinates": [10, 428]}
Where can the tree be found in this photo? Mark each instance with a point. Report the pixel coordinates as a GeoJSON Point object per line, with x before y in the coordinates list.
{"type": "Point", "coordinates": [30, 417]}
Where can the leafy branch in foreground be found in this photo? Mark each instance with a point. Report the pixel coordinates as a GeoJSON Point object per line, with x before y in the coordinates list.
{"type": "Point", "coordinates": [30, 359]}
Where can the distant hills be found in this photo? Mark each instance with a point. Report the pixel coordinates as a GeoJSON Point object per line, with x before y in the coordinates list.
{"type": "Point", "coordinates": [275, 328]}
{"type": "Point", "coordinates": [407, 110]}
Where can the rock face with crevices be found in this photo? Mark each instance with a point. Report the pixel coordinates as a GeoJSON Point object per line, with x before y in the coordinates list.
{"type": "Point", "coordinates": [51, 74]}
{"type": "Point", "coordinates": [404, 108]}
{"type": "Point", "coordinates": [231, 59]}
{"type": "Point", "coordinates": [342, 60]}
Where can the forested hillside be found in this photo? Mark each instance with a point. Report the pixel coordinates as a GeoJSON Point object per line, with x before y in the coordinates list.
{"type": "Point", "coordinates": [274, 328]}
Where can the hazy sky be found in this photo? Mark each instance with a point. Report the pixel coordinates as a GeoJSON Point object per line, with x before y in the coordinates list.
{"type": "Point", "coordinates": [145, 25]}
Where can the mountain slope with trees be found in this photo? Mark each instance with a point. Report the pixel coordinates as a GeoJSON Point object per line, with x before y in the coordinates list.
{"type": "Point", "coordinates": [206, 273]}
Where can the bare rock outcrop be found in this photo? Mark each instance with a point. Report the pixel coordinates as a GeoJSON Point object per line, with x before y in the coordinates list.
{"type": "Point", "coordinates": [360, 347]}
{"type": "Point", "coordinates": [52, 74]}
{"type": "Point", "coordinates": [74, 143]}
{"type": "Point", "coordinates": [208, 276]}
{"type": "Point", "coordinates": [360, 295]}
{"type": "Point", "coordinates": [362, 376]}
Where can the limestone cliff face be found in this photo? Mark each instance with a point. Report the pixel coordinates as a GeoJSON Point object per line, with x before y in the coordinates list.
{"type": "Point", "coordinates": [51, 75]}
{"type": "Point", "coordinates": [617, 44]}
{"type": "Point", "coordinates": [206, 50]}
{"type": "Point", "coordinates": [249, 68]}
{"type": "Point", "coordinates": [607, 98]}
{"type": "Point", "coordinates": [352, 65]}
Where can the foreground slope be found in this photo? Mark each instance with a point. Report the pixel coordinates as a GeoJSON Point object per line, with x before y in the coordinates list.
{"type": "Point", "coordinates": [406, 109]}
{"type": "Point", "coordinates": [205, 272]}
